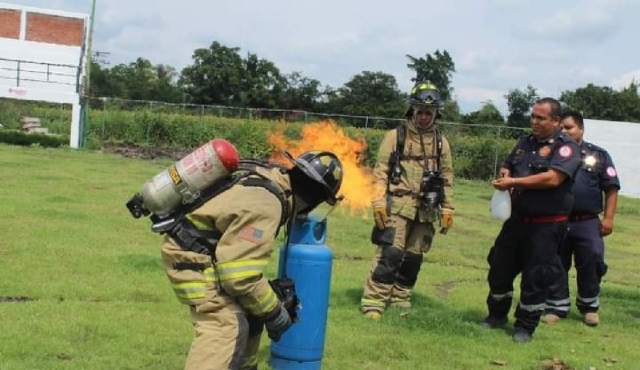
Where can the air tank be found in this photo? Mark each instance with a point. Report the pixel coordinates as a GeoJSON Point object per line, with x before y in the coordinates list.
{"type": "Point", "coordinates": [183, 181]}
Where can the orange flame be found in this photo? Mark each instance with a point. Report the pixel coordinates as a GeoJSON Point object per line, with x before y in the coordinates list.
{"type": "Point", "coordinates": [326, 135]}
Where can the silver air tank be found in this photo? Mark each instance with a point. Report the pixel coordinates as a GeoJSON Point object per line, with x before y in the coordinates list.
{"type": "Point", "coordinates": [183, 181]}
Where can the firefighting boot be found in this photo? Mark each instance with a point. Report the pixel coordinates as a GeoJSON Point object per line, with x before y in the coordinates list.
{"type": "Point", "coordinates": [550, 318]}
{"type": "Point", "coordinates": [521, 336]}
{"type": "Point", "coordinates": [491, 322]}
{"type": "Point", "coordinates": [373, 315]}
{"type": "Point", "coordinates": [402, 303]}
{"type": "Point", "coordinates": [591, 318]}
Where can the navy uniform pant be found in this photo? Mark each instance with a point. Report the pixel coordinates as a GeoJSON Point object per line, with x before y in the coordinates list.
{"type": "Point", "coordinates": [585, 244]}
{"type": "Point", "coordinates": [533, 250]}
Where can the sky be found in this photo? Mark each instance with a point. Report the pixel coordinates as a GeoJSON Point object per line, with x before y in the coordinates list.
{"type": "Point", "coordinates": [496, 45]}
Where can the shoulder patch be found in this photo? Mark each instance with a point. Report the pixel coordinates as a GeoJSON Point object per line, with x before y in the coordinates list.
{"type": "Point", "coordinates": [251, 234]}
{"type": "Point", "coordinates": [611, 172]}
{"type": "Point", "coordinates": [565, 151]}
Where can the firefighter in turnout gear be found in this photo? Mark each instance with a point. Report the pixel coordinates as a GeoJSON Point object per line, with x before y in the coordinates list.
{"type": "Point", "coordinates": [216, 258]}
{"type": "Point", "coordinates": [413, 181]}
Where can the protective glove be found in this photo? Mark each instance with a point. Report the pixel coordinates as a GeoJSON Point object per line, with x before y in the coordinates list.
{"type": "Point", "coordinates": [380, 215]}
{"type": "Point", "coordinates": [446, 222]}
{"type": "Point", "coordinates": [277, 322]}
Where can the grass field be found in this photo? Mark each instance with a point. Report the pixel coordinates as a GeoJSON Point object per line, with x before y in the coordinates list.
{"type": "Point", "coordinates": [81, 285]}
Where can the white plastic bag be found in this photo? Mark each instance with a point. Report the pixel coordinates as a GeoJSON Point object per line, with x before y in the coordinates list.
{"type": "Point", "coordinates": [501, 205]}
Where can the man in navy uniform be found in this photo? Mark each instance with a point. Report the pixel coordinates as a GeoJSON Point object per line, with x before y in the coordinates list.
{"type": "Point", "coordinates": [596, 176]}
{"type": "Point", "coordinates": [539, 173]}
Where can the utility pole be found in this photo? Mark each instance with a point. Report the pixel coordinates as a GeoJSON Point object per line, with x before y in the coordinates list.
{"type": "Point", "coordinates": [87, 82]}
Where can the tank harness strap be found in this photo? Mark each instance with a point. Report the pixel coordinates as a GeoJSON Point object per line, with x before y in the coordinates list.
{"type": "Point", "coordinates": [398, 154]}
{"type": "Point", "coordinates": [189, 238]}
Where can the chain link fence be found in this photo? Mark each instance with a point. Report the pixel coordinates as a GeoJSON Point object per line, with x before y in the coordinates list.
{"type": "Point", "coordinates": [478, 149]}
{"type": "Point", "coordinates": [271, 114]}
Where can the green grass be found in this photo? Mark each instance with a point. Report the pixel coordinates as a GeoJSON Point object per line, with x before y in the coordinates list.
{"type": "Point", "coordinates": [98, 297]}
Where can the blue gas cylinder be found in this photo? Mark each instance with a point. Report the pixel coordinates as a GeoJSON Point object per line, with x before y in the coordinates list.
{"type": "Point", "coordinates": [307, 261]}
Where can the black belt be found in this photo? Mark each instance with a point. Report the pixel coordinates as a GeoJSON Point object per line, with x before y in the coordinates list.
{"type": "Point", "coordinates": [542, 219]}
{"type": "Point", "coordinates": [583, 216]}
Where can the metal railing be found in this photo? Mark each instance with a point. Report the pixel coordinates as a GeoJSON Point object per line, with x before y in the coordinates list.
{"type": "Point", "coordinates": [30, 71]}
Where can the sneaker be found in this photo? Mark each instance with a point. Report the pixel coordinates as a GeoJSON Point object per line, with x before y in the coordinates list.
{"type": "Point", "coordinates": [521, 336]}
{"type": "Point", "coordinates": [373, 315]}
{"type": "Point", "coordinates": [550, 318]}
{"type": "Point", "coordinates": [491, 322]}
{"type": "Point", "coordinates": [591, 319]}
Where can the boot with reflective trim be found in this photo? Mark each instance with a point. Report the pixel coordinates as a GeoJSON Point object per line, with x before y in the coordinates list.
{"type": "Point", "coordinates": [550, 318]}
{"type": "Point", "coordinates": [400, 304]}
{"type": "Point", "coordinates": [491, 322]}
{"type": "Point", "coordinates": [521, 336]}
{"type": "Point", "coordinates": [591, 318]}
{"type": "Point", "coordinates": [373, 315]}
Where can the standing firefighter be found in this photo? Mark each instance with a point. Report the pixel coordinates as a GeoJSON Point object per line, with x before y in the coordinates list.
{"type": "Point", "coordinates": [215, 256]}
{"type": "Point", "coordinates": [539, 172]}
{"type": "Point", "coordinates": [413, 180]}
{"type": "Point", "coordinates": [596, 177]}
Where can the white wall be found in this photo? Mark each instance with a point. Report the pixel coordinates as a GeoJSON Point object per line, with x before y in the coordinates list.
{"type": "Point", "coordinates": [29, 51]}
{"type": "Point", "coordinates": [62, 85]}
{"type": "Point", "coordinates": [622, 141]}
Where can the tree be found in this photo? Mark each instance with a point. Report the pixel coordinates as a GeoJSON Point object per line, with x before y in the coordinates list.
{"type": "Point", "coordinates": [165, 87]}
{"type": "Point", "coordinates": [520, 103]}
{"type": "Point", "coordinates": [101, 84]}
{"type": "Point", "coordinates": [605, 103]}
{"type": "Point", "coordinates": [438, 69]}
{"type": "Point", "coordinates": [215, 77]}
{"type": "Point", "coordinates": [487, 115]}
{"type": "Point", "coordinates": [261, 83]}
{"type": "Point", "coordinates": [371, 94]}
{"type": "Point", "coordinates": [451, 112]}
{"type": "Point", "coordinates": [139, 80]}
{"type": "Point", "coordinates": [301, 92]}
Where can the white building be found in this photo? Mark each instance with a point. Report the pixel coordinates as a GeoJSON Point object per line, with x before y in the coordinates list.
{"type": "Point", "coordinates": [622, 141]}
{"type": "Point", "coordinates": [43, 57]}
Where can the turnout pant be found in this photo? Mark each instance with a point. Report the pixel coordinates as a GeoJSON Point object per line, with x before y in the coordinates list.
{"type": "Point", "coordinates": [226, 339]}
{"type": "Point", "coordinates": [585, 244]}
{"type": "Point", "coordinates": [533, 250]}
{"type": "Point", "coordinates": [396, 263]}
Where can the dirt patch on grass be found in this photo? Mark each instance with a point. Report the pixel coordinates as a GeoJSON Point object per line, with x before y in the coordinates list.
{"type": "Point", "coordinates": [131, 150]}
{"type": "Point", "coordinates": [444, 289]}
{"type": "Point", "coordinates": [555, 364]}
{"type": "Point", "coordinates": [16, 299]}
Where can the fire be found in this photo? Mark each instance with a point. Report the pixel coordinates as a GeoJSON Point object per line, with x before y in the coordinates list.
{"type": "Point", "coordinates": [326, 135]}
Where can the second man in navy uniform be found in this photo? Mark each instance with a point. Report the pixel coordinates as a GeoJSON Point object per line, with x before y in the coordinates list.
{"type": "Point", "coordinates": [597, 176]}
{"type": "Point", "coordinates": [539, 173]}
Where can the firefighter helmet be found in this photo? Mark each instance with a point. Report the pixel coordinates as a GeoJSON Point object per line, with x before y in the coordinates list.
{"type": "Point", "coordinates": [425, 94]}
{"type": "Point", "coordinates": [316, 177]}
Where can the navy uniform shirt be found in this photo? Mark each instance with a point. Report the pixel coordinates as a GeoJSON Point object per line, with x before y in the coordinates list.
{"type": "Point", "coordinates": [532, 156]}
{"type": "Point", "coordinates": [596, 174]}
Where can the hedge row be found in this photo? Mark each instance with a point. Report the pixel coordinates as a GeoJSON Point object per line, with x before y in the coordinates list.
{"type": "Point", "coordinates": [476, 150]}
{"type": "Point", "coordinates": [21, 138]}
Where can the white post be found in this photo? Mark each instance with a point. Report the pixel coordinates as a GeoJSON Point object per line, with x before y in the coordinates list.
{"type": "Point", "coordinates": [76, 122]}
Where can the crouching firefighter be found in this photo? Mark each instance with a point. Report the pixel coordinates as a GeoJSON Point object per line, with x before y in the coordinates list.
{"type": "Point", "coordinates": [413, 181]}
{"type": "Point", "coordinates": [215, 251]}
